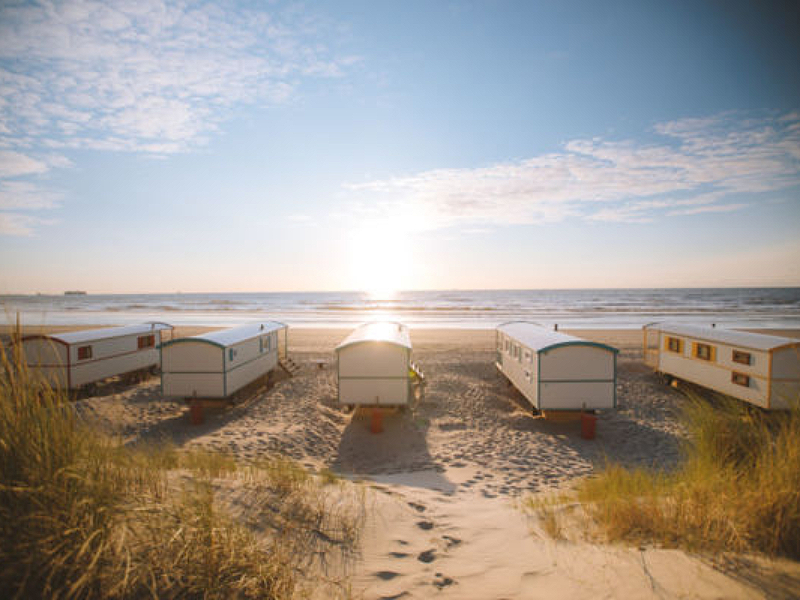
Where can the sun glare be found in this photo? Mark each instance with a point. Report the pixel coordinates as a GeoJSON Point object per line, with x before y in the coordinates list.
{"type": "Point", "coordinates": [380, 259]}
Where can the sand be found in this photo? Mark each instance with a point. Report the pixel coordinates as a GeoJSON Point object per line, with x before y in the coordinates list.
{"type": "Point", "coordinates": [446, 477]}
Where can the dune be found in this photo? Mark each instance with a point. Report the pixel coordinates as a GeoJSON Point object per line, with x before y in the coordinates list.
{"type": "Point", "coordinates": [446, 477]}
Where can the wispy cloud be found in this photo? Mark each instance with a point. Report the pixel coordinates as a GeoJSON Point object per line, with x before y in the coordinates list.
{"type": "Point", "coordinates": [148, 75]}
{"type": "Point", "coordinates": [26, 195]}
{"type": "Point", "coordinates": [19, 224]}
{"type": "Point", "coordinates": [15, 164]}
{"type": "Point", "coordinates": [700, 166]}
{"type": "Point", "coordinates": [143, 76]}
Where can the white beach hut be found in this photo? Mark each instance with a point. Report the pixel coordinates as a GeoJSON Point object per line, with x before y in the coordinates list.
{"type": "Point", "coordinates": [761, 369]}
{"type": "Point", "coordinates": [555, 371]}
{"type": "Point", "coordinates": [374, 368]}
{"type": "Point", "coordinates": [217, 364]}
{"type": "Point", "coordinates": [74, 359]}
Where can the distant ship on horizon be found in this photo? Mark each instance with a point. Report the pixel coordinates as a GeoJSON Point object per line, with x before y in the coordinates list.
{"type": "Point", "coordinates": [75, 293]}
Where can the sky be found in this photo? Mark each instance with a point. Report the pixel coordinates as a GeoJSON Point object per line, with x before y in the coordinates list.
{"type": "Point", "coordinates": [150, 146]}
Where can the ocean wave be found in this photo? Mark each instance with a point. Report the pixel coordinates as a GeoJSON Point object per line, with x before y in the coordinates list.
{"type": "Point", "coordinates": [400, 308]}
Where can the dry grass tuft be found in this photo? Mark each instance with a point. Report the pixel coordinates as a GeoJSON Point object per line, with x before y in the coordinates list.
{"type": "Point", "coordinates": [737, 489]}
{"type": "Point", "coordinates": [83, 517]}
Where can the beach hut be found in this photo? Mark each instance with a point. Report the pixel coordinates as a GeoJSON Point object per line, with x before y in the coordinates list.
{"type": "Point", "coordinates": [374, 368]}
{"type": "Point", "coordinates": [555, 371]}
{"type": "Point", "coordinates": [761, 369]}
{"type": "Point", "coordinates": [74, 359]}
{"type": "Point", "coordinates": [217, 364]}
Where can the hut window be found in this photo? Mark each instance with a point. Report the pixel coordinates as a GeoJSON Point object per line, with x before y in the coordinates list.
{"type": "Point", "coordinates": [528, 357]}
{"type": "Point", "coordinates": [508, 345]}
{"type": "Point", "coordinates": [231, 353]}
{"type": "Point", "coordinates": [743, 358]}
{"type": "Point", "coordinates": [84, 352]}
{"type": "Point", "coordinates": [269, 344]}
{"type": "Point", "coordinates": [675, 345]}
{"type": "Point", "coordinates": [260, 344]}
{"type": "Point", "coordinates": [147, 341]}
{"type": "Point", "coordinates": [740, 379]}
{"type": "Point", "coordinates": [703, 351]}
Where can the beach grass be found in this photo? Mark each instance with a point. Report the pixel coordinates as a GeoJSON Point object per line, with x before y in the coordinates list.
{"type": "Point", "coordinates": [736, 489]}
{"type": "Point", "coordinates": [82, 516]}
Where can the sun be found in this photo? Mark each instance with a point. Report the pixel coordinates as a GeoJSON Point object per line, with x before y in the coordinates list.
{"type": "Point", "coordinates": [380, 259]}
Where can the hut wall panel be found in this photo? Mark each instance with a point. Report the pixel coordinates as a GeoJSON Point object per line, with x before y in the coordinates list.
{"type": "Point", "coordinates": [521, 372]}
{"type": "Point", "coordinates": [714, 376]}
{"type": "Point", "coordinates": [191, 357]}
{"type": "Point", "coordinates": [105, 348]}
{"type": "Point", "coordinates": [47, 359]}
{"type": "Point", "coordinates": [187, 385]}
{"type": "Point", "coordinates": [786, 373]}
{"type": "Point", "coordinates": [786, 363]}
{"type": "Point", "coordinates": [577, 362]}
{"type": "Point", "coordinates": [243, 352]}
{"type": "Point", "coordinates": [373, 359]}
{"type": "Point", "coordinates": [55, 376]}
{"type": "Point", "coordinates": [95, 370]}
{"type": "Point", "coordinates": [44, 352]}
{"type": "Point", "coordinates": [366, 391]}
{"type": "Point", "coordinates": [574, 395]}
{"type": "Point", "coordinates": [243, 375]}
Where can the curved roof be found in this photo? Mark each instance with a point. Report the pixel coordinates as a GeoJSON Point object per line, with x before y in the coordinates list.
{"type": "Point", "coordinates": [91, 335]}
{"type": "Point", "coordinates": [228, 337]}
{"type": "Point", "coordinates": [382, 331]}
{"type": "Point", "coordinates": [540, 339]}
{"type": "Point", "coordinates": [742, 339]}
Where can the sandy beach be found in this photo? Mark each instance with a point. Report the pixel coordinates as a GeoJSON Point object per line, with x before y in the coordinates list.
{"type": "Point", "coordinates": [446, 478]}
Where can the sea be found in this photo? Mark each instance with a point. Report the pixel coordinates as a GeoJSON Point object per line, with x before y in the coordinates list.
{"type": "Point", "coordinates": [477, 309]}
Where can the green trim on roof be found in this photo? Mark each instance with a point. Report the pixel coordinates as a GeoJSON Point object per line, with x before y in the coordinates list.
{"type": "Point", "coordinates": [191, 339]}
{"type": "Point", "coordinates": [577, 343]}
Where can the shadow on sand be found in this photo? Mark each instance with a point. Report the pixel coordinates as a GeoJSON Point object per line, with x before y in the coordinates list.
{"type": "Point", "coordinates": [179, 430]}
{"type": "Point", "coordinates": [400, 448]}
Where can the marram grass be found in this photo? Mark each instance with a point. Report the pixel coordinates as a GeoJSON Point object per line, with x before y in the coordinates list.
{"type": "Point", "coordinates": [736, 489]}
{"type": "Point", "coordinates": [83, 517]}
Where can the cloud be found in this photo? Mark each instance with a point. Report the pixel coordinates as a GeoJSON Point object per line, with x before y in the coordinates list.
{"type": "Point", "coordinates": [14, 164]}
{"type": "Point", "coordinates": [147, 76]}
{"type": "Point", "coordinates": [26, 195]}
{"type": "Point", "coordinates": [144, 76]}
{"type": "Point", "coordinates": [16, 224]}
{"type": "Point", "coordinates": [716, 208]}
{"type": "Point", "coordinates": [698, 166]}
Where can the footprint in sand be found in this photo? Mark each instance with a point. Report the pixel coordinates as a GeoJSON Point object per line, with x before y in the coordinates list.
{"type": "Point", "coordinates": [417, 507]}
{"type": "Point", "coordinates": [428, 556]}
{"type": "Point", "coordinates": [426, 525]}
{"type": "Point", "coordinates": [451, 541]}
{"type": "Point", "coordinates": [441, 581]}
{"type": "Point", "coordinates": [399, 554]}
{"type": "Point", "coordinates": [386, 575]}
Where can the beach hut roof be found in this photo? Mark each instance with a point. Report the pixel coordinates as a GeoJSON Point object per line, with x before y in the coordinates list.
{"type": "Point", "coordinates": [384, 331]}
{"type": "Point", "coordinates": [540, 339]}
{"type": "Point", "coordinates": [228, 337]}
{"type": "Point", "coordinates": [742, 339]}
{"type": "Point", "coordinates": [92, 335]}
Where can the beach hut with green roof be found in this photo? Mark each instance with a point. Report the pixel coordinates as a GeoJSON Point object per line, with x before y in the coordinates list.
{"type": "Point", "coordinates": [219, 363]}
{"type": "Point", "coordinates": [374, 367]}
{"type": "Point", "coordinates": [556, 371]}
